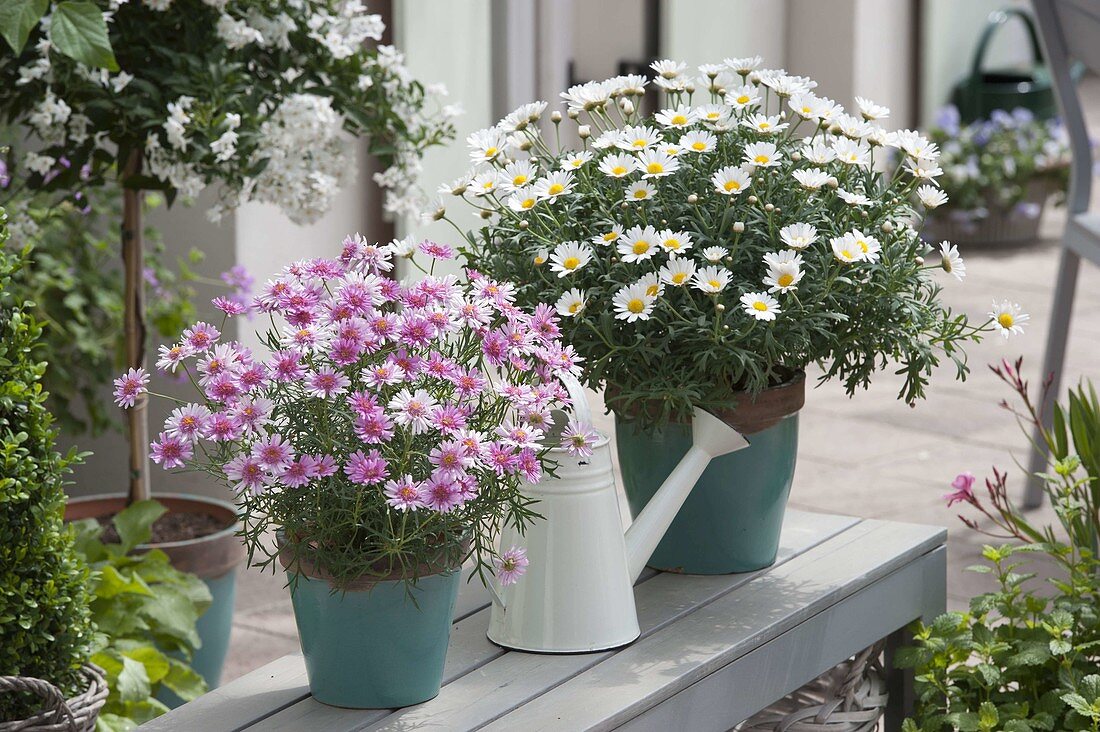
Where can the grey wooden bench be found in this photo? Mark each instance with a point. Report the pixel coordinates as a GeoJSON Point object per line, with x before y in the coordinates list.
{"type": "Point", "coordinates": [714, 649]}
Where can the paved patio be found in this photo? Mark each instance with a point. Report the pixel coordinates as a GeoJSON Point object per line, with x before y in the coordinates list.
{"type": "Point", "coordinates": [868, 456]}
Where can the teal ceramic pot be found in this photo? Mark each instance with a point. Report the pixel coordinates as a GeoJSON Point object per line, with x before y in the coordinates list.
{"type": "Point", "coordinates": [375, 648]}
{"type": "Point", "coordinates": [732, 518]}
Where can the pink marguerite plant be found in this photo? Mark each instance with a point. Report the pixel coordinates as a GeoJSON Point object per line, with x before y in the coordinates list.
{"type": "Point", "coordinates": [386, 429]}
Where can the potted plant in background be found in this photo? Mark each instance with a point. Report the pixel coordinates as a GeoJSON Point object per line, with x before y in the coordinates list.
{"type": "Point", "coordinates": [999, 174]}
{"type": "Point", "coordinates": [705, 256]}
{"type": "Point", "coordinates": [1024, 657]}
{"type": "Point", "coordinates": [178, 96]}
{"type": "Point", "coordinates": [380, 442]}
{"type": "Point", "coordinates": [45, 677]}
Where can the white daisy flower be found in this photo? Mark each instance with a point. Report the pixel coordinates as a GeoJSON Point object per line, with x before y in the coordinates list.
{"type": "Point", "coordinates": [798, 236]}
{"type": "Point", "coordinates": [711, 280]}
{"type": "Point", "coordinates": [764, 124]}
{"type": "Point", "coordinates": [715, 115]}
{"type": "Point", "coordinates": [845, 249]}
{"type": "Point", "coordinates": [576, 160]}
{"type": "Point", "coordinates": [951, 261]}
{"type": "Point", "coordinates": [914, 144]}
{"type": "Point", "coordinates": [853, 128]}
{"type": "Point", "coordinates": [870, 110]}
{"type": "Point", "coordinates": [517, 173]}
{"type": "Point", "coordinates": [743, 66]}
{"type": "Point", "coordinates": [931, 197]}
{"type": "Point", "coordinates": [784, 270]}
{"type": "Point", "coordinates": [568, 257]}
{"type": "Point", "coordinates": [540, 257]}
{"type": "Point", "coordinates": [571, 303]}
{"type": "Point", "coordinates": [869, 246]}
{"type": "Point", "coordinates": [762, 154]}
{"type": "Point", "coordinates": [521, 117]}
{"type": "Point", "coordinates": [640, 191]}
{"type": "Point", "coordinates": [807, 106]}
{"type": "Point", "coordinates": [818, 153]}
{"type": "Point", "coordinates": [670, 148]}
{"type": "Point", "coordinates": [553, 185]}
{"type": "Point", "coordinates": [485, 183]}
{"type": "Point", "coordinates": [678, 272]}
{"type": "Point", "coordinates": [731, 180]}
{"type": "Point", "coordinates": [674, 242]}
{"type": "Point", "coordinates": [923, 168]}
{"type": "Point", "coordinates": [852, 152]}
{"type": "Point", "coordinates": [617, 165]}
{"type": "Point", "coordinates": [653, 285]}
{"type": "Point", "coordinates": [668, 69]}
{"type": "Point", "coordinates": [1007, 318]}
{"type": "Point", "coordinates": [610, 236]}
{"type": "Point", "coordinates": [811, 179]}
{"type": "Point", "coordinates": [853, 198]}
{"type": "Point", "coordinates": [632, 303]}
{"type": "Point", "coordinates": [760, 305]}
{"type": "Point", "coordinates": [681, 117]}
{"type": "Point", "coordinates": [743, 97]}
{"type": "Point", "coordinates": [656, 164]}
{"type": "Point", "coordinates": [698, 141]}
{"type": "Point", "coordinates": [638, 244]}
{"type": "Point", "coordinates": [638, 138]}
{"type": "Point", "coordinates": [714, 254]}
{"type": "Point", "coordinates": [522, 199]}
{"type": "Point", "coordinates": [486, 145]}
{"type": "Point", "coordinates": [607, 139]}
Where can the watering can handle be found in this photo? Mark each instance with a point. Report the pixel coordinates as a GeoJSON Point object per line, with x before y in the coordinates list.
{"type": "Point", "coordinates": [581, 410]}
{"type": "Point", "coordinates": [996, 19]}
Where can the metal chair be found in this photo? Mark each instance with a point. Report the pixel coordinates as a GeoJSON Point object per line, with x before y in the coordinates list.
{"type": "Point", "coordinates": [1070, 30]}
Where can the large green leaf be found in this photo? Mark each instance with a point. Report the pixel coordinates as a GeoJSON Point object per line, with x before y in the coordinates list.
{"type": "Point", "coordinates": [135, 523]}
{"type": "Point", "coordinates": [79, 31]}
{"type": "Point", "coordinates": [184, 681]}
{"type": "Point", "coordinates": [17, 18]}
{"type": "Point", "coordinates": [155, 662]}
{"type": "Point", "coordinates": [133, 682]}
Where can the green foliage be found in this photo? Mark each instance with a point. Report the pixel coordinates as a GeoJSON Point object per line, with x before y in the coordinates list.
{"type": "Point", "coordinates": [43, 583]}
{"type": "Point", "coordinates": [1024, 657]}
{"type": "Point", "coordinates": [145, 612]}
{"type": "Point", "coordinates": [79, 29]}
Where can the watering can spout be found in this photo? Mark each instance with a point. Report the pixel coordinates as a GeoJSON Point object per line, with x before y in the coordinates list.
{"type": "Point", "coordinates": [711, 438]}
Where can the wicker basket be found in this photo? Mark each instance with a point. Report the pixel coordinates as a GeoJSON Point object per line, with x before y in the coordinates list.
{"type": "Point", "coordinates": [1001, 226]}
{"type": "Point", "coordinates": [59, 714]}
{"type": "Point", "coordinates": [848, 698]}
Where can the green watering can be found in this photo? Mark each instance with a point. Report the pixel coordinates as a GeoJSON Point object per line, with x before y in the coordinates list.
{"type": "Point", "coordinates": [984, 91]}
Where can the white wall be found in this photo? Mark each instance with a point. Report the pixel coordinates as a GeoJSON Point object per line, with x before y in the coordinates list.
{"type": "Point", "coordinates": [707, 31]}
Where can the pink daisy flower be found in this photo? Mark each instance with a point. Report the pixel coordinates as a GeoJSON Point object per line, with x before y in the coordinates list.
{"type": "Point", "coordinates": [326, 383]}
{"type": "Point", "coordinates": [171, 450]}
{"type": "Point", "coordinates": [384, 326]}
{"type": "Point", "coordinates": [442, 494]}
{"type": "Point", "coordinates": [253, 377]}
{"type": "Point", "coordinates": [223, 388]}
{"type": "Point", "coordinates": [495, 348]}
{"type": "Point", "coordinates": [229, 306]}
{"type": "Point", "coordinates": [251, 414]}
{"type": "Point", "coordinates": [578, 439]}
{"type": "Point", "coordinates": [529, 466]}
{"type": "Point", "coordinates": [287, 366]}
{"type": "Point", "coordinates": [363, 402]}
{"type": "Point", "coordinates": [366, 469]}
{"type": "Point", "coordinates": [344, 352]}
{"type": "Point", "coordinates": [297, 473]}
{"type": "Point", "coordinates": [187, 422]}
{"type": "Point", "coordinates": [519, 435]}
{"type": "Point", "coordinates": [248, 474]}
{"type": "Point", "coordinates": [501, 458]}
{"type": "Point", "coordinates": [448, 419]}
{"type": "Point", "coordinates": [221, 428]}
{"type": "Point", "coordinates": [469, 384]}
{"type": "Point", "coordinates": [274, 453]}
{"type": "Point", "coordinates": [384, 374]}
{"type": "Point", "coordinates": [416, 331]}
{"type": "Point", "coordinates": [374, 429]}
{"type": "Point", "coordinates": [472, 441]}
{"type": "Point", "coordinates": [410, 363]}
{"type": "Point", "coordinates": [131, 386]}
{"type": "Point", "coordinates": [201, 336]}
{"type": "Point", "coordinates": [475, 314]}
{"type": "Point", "coordinates": [510, 565]}
{"type": "Point", "coordinates": [450, 459]}
{"type": "Point", "coordinates": [404, 494]}
{"type": "Point", "coordinates": [324, 466]}
{"type": "Point", "coordinates": [172, 356]}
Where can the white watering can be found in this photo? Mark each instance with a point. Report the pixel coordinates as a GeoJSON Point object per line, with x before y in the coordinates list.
{"type": "Point", "coordinates": [578, 591]}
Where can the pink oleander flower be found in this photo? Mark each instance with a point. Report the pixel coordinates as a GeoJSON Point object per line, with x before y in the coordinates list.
{"type": "Point", "coordinates": [578, 439]}
{"type": "Point", "coordinates": [171, 451]}
{"type": "Point", "coordinates": [963, 492]}
{"type": "Point", "coordinates": [131, 386]}
{"type": "Point", "coordinates": [404, 494]}
{"type": "Point", "coordinates": [511, 565]}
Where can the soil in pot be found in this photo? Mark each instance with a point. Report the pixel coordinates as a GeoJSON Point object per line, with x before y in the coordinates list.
{"type": "Point", "coordinates": [172, 526]}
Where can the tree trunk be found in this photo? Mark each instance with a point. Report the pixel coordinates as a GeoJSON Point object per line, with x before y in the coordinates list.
{"type": "Point", "coordinates": [133, 263]}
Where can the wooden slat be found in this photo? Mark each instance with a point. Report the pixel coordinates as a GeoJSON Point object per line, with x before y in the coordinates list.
{"type": "Point", "coordinates": [667, 662]}
{"type": "Point", "coordinates": [809, 649]}
{"type": "Point", "coordinates": [514, 678]}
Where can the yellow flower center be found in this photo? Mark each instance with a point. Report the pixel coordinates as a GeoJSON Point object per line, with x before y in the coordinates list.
{"type": "Point", "coordinates": [655, 168]}
{"type": "Point", "coordinates": [619, 170]}
{"type": "Point", "coordinates": [679, 120]}
{"type": "Point", "coordinates": [846, 254]}
{"type": "Point", "coordinates": [785, 279]}
{"type": "Point", "coordinates": [571, 262]}
{"type": "Point", "coordinates": [487, 185]}
{"type": "Point", "coordinates": [678, 278]}
{"type": "Point", "coordinates": [761, 159]}
{"type": "Point", "coordinates": [611, 236]}
{"type": "Point", "coordinates": [712, 116]}
{"type": "Point", "coordinates": [574, 307]}
{"type": "Point", "coordinates": [806, 110]}
{"type": "Point", "coordinates": [187, 421]}
{"type": "Point", "coordinates": [641, 193]}
{"type": "Point", "coordinates": [671, 243]}
{"type": "Point", "coordinates": [714, 283]}
{"type": "Point", "coordinates": [743, 99]}
{"type": "Point", "coordinates": [651, 290]}
{"type": "Point", "coordinates": [539, 259]}
{"type": "Point", "coordinates": [732, 185]}
{"type": "Point", "coordinates": [527, 203]}
{"type": "Point", "coordinates": [764, 125]}
{"type": "Point", "coordinates": [1006, 320]}
{"type": "Point", "coordinates": [576, 162]}
{"type": "Point", "coordinates": [760, 305]}
{"type": "Point", "coordinates": [519, 180]}
{"type": "Point", "coordinates": [698, 146]}
{"type": "Point", "coordinates": [640, 142]}
{"type": "Point", "coordinates": [636, 305]}
{"type": "Point", "coordinates": [555, 189]}
{"type": "Point", "coordinates": [641, 247]}
{"type": "Point", "coordinates": [490, 152]}
{"type": "Point", "coordinates": [862, 245]}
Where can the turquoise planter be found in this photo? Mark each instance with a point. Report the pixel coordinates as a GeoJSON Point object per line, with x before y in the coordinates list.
{"type": "Point", "coordinates": [732, 518]}
{"type": "Point", "coordinates": [374, 649]}
{"type": "Point", "coordinates": [213, 627]}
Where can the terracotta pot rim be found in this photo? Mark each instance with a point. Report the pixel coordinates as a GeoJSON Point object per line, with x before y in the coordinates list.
{"type": "Point", "coordinates": [213, 502]}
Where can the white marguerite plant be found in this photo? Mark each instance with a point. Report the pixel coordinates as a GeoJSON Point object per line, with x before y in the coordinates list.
{"type": "Point", "coordinates": [723, 244]}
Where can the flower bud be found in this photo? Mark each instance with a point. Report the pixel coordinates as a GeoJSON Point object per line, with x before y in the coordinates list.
{"type": "Point", "coordinates": [887, 226]}
{"type": "Point", "coordinates": [769, 207]}
{"type": "Point", "coordinates": [739, 226]}
{"type": "Point", "coordinates": [459, 190]}
{"type": "Point", "coordinates": [832, 182]}
{"type": "Point", "coordinates": [720, 307]}
{"type": "Point", "coordinates": [584, 132]}
{"type": "Point", "coordinates": [573, 114]}
{"type": "Point", "coordinates": [920, 261]}
{"type": "Point", "coordinates": [753, 199]}
{"type": "Point", "coordinates": [523, 225]}
{"type": "Point", "coordinates": [555, 116]}
{"type": "Point", "coordinates": [693, 198]}
{"type": "Point", "coordinates": [526, 145]}
{"type": "Point", "coordinates": [796, 156]}
{"type": "Point", "coordinates": [485, 214]}
{"type": "Point", "coordinates": [439, 213]}
{"type": "Point", "coordinates": [627, 106]}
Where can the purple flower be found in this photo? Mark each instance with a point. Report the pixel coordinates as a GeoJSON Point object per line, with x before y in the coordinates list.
{"type": "Point", "coordinates": [442, 494]}
{"type": "Point", "coordinates": [510, 565]}
{"type": "Point", "coordinates": [404, 494]}
{"type": "Point", "coordinates": [529, 466]}
{"type": "Point", "coordinates": [579, 439]}
{"type": "Point", "coordinates": [437, 251]}
{"type": "Point", "coordinates": [450, 459]}
{"type": "Point", "coordinates": [170, 450]}
{"type": "Point", "coordinates": [188, 421]}
{"type": "Point", "coordinates": [326, 383]}
{"type": "Point", "coordinates": [229, 306]}
{"type": "Point", "coordinates": [248, 474]}
{"type": "Point", "coordinates": [963, 489]}
{"type": "Point", "coordinates": [201, 336]}
{"type": "Point", "coordinates": [274, 453]}
{"type": "Point", "coordinates": [297, 473]}
{"type": "Point", "coordinates": [131, 386]}
{"type": "Point", "coordinates": [366, 469]}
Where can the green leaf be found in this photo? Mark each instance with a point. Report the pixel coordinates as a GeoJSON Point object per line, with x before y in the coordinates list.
{"type": "Point", "coordinates": [184, 681]}
{"type": "Point", "coordinates": [1078, 704]}
{"type": "Point", "coordinates": [155, 663]}
{"type": "Point", "coordinates": [173, 614]}
{"type": "Point", "coordinates": [987, 716]}
{"type": "Point", "coordinates": [135, 523]}
{"type": "Point", "coordinates": [18, 18]}
{"type": "Point", "coordinates": [133, 682]}
{"type": "Point", "coordinates": [1016, 725]}
{"type": "Point", "coordinates": [79, 31]}
{"type": "Point", "coordinates": [112, 582]}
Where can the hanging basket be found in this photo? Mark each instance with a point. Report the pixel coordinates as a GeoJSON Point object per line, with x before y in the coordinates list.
{"type": "Point", "coordinates": [59, 714]}
{"type": "Point", "coordinates": [848, 698]}
{"type": "Point", "coordinates": [1000, 226]}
